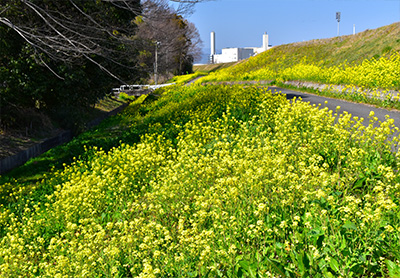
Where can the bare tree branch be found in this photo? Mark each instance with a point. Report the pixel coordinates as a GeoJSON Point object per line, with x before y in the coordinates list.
{"type": "Point", "coordinates": [74, 31]}
{"type": "Point", "coordinates": [186, 6]}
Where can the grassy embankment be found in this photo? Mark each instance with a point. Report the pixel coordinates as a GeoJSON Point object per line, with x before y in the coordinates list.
{"type": "Point", "coordinates": [182, 79]}
{"type": "Point", "coordinates": [212, 67]}
{"type": "Point", "coordinates": [214, 181]}
{"type": "Point", "coordinates": [367, 65]}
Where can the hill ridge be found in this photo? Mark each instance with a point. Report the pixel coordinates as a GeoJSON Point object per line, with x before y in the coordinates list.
{"type": "Point", "coordinates": [371, 43]}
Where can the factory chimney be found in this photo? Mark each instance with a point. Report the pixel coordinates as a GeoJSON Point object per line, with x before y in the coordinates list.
{"type": "Point", "coordinates": [213, 43]}
{"type": "Point", "coordinates": [212, 47]}
{"type": "Point", "coordinates": [265, 41]}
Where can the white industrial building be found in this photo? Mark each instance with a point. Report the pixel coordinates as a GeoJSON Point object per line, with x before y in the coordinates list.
{"type": "Point", "coordinates": [234, 54]}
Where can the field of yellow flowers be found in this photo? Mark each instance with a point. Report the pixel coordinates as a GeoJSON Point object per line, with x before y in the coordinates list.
{"type": "Point", "coordinates": [372, 80]}
{"type": "Point", "coordinates": [224, 182]}
{"type": "Point", "coordinates": [372, 73]}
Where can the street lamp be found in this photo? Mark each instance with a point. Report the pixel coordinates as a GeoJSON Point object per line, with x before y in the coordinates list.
{"type": "Point", "coordinates": [338, 22]}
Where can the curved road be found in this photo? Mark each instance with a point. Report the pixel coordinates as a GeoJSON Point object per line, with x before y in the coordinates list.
{"type": "Point", "coordinates": [355, 109]}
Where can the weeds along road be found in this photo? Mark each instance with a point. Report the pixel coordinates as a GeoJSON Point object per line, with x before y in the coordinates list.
{"type": "Point", "coordinates": [355, 109]}
{"type": "Point", "coordinates": [360, 110]}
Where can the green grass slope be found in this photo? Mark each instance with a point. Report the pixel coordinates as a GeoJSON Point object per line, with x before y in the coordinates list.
{"type": "Point", "coordinates": [212, 67]}
{"type": "Point", "coordinates": [334, 51]}
{"type": "Point", "coordinates": [338, 52]}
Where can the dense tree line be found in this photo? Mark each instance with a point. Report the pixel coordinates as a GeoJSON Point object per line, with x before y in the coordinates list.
{"type": "Point", "coordinates": [58, 58]}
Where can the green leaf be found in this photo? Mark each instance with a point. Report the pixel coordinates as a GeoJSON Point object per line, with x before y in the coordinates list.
{"type": "Point", "coordinates": [245, 265]}
{"type": "Point", "coordinates": [359, 183]}
{"type": "Point", "coordinates": [327, 274]}
{"type": "Point", "coordinates": [306, 261]}
{"type": "Point", "coordinates": [253, 270]}
{"type": "Point", "coordinates": [320, 240]}
{"type": "Point", "coordinates": [348, 225]}
{"type": "Point", "coordinates": [299, 262]}
{"type": "Point", "coordinates": [362, 258]}
{"type": "Point", "coordinates": [393, 269]}
{"type": "Point", "coordinates": [337, 193]}
{"type": "Point", "coordinates": [316, 232]}
{"type": "Point", "coordinates": [258, 257]}
{"type": "Point", "coordinates": [334, 265]}
{"type": "Point", "coordinates": [343, 244]}
{"type": "Point", "coordinates": [239, 258]}
{"type": "Point", "coordinates": [279, 245]}
{"type": "Point", "coordinates": [239, 272]}
{"type": "Point", "coordinates": [302, 262]}
{"type": "Point", "coordinates": [277, 266]}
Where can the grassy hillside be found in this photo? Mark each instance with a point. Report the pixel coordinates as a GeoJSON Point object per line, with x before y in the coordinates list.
{"type": "Point", "coordinates": [212, 67]}
{"type": "Point", "coordinates": [369, 59]}
{"type": "Point", "coordinates": [211, 181]}
{"type": "Point", "coordinates": [364, 67]}
{"type": "Point", "coordinates": [330, 52]}
{"type": "Point", "coordinates": [352, 48]}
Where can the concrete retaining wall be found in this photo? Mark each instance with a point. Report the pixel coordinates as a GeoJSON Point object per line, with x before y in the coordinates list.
{"type": "Point", "coordinates": [9, 163]}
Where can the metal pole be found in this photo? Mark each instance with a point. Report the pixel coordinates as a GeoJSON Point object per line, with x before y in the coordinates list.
{"type": "Point", "coordinates": [156, 65]}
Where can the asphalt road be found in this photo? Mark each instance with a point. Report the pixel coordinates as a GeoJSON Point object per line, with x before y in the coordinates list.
{"type": "Point", "coordinates": [355, 109]}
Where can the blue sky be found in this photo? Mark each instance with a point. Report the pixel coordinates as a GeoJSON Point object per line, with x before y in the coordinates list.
{"type": "Point", "coordinates": [241, 23]}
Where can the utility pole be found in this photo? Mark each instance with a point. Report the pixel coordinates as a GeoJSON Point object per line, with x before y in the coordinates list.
{"type": "Point", "coordinates": [156, 63]}
{"type": "Point", "coordinates": [338, 22]}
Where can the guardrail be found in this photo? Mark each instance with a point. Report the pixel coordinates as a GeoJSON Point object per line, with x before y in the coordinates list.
{"type": "Point", "coordinates": [125, 88]}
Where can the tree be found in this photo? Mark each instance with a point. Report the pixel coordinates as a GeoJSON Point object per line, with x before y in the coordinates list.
{"type": "Point", "coordinates": [184, 7]}
{"type": "Point", "coordinates": [75, 30]}
{"type": "Point", "coordinates": [178, 41]}
{"type": "Point", "coordinates": [58, 56]}
{"type": "Point", "coordinates": [70, 30]}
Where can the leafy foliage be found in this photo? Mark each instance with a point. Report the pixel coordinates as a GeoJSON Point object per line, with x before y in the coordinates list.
{"type": "Point", "coordinates": [59, 58]}
{"type": "Point", "coordinates": [62, 63]}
